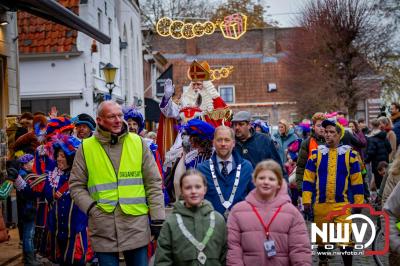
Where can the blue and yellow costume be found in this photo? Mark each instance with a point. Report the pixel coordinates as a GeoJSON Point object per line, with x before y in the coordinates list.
{"type": "Point", "coordinates": [332, 179]}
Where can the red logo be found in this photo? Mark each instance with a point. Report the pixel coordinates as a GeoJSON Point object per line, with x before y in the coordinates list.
{"type": "Point", "coordinates": [373, 213]}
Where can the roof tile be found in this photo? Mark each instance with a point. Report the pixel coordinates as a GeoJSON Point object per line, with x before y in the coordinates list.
{"type": "Point", "coordinates": [37, 35]}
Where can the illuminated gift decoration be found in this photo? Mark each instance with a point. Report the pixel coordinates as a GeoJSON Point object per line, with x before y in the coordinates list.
{"type": "Point", "coordinates": [219, 73]}
{"type": "Point", "coordinates": [232, 27]}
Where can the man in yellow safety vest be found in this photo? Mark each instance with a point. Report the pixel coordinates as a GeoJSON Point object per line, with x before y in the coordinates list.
{"type": "Point", "coordinates": [115, 180]}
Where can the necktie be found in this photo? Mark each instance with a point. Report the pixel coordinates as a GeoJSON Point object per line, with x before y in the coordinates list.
{"type": "Point", "coordinates": [224, 170]}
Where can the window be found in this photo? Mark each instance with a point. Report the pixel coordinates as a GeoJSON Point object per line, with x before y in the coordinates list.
{"type": "Point", "coordinates": [110, 34]}
{"type": "Point", "coordinates": [63, 105]}
{"type": "Point", "coordinates": [99, 20]}
{"type": "Point", "coordinates": [99, 26]}
{"type": "Point", "coordinates": [227, 93]}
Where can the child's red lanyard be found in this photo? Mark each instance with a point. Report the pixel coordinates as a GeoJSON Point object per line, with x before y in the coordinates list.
{"type": "Point", "coordinates": [266, 226]}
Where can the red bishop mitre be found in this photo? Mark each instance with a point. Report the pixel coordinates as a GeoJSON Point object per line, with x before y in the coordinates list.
{"type": "Point", "coordinates": [199, 71]}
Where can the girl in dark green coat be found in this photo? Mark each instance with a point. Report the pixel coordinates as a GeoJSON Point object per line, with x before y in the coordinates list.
{"type": "Point", "coordinates": [194, 234]}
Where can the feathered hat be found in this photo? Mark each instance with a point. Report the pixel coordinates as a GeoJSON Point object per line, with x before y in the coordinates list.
{"type": "Point", "coordinates": [261, 124]}
{"type": "Point", "coordinates": [305, 127]}
{"type": "Point", "coordinates": [134, 114]}
{"type": "Point", "coordinates": [343, 121]}
{"type": "Point", "coordinates": [68, 144]}
{"type": "Point", "coordinates": [199, 128]}
{"type": "Point", "coordinates": [58, 125]}
{"type": "Point", "coordinates": [26, 158]}
{"type": "Point", "coordinates": [39, 125]}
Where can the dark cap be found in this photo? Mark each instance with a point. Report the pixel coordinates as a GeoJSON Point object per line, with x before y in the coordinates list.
{"type": "Point", "coordinates": [242, 116]}
{"type": "Point", "coordinates": [328, 122]}
{"type": "Point", "coordinates": [86, 120]}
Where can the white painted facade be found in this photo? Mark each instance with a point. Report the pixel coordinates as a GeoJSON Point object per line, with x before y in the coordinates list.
{"type": "Point", "coordinates": [78, 77]}
{"type": "Point", "coordinates": [9, 89]}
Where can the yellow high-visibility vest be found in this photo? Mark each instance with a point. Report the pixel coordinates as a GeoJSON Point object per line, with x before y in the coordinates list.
{"type": "Point", "coordinates": [109, 188]}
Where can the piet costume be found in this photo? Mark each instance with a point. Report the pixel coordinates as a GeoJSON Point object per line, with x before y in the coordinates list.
{"type": "Point", "coordinates": [264, 128]}
{"type": "Point", "coordinates": [332, 179]}
{"type": "Point", "coordinates": [197, 142]}
{"type": "Point", "coordinates": [197, 137]}
{"type": "Point", "coordinates": [43, 164]}
{"type": "Point", "coordinates": [67, 239]}
{"type": "Point", "coordinates": [205, 104]}
{"type": "Point", "coordinates": [135, 115]}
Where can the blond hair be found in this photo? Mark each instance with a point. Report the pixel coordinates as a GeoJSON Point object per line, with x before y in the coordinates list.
{"type": "Point", "coordinates": [269, 165]}
{"type": "Point", "coordinates": [386, 121]}
{"type": "Point", "coordinates": [318, 117]}
{"type": "Point", "coordinates": [286, 124]}
{"type": "Point", "coordinates": [223, 127]}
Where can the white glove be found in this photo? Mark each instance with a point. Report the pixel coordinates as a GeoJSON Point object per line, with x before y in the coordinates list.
{"type": "Point", "coordinates": [169, 89]}
{"type": "Point", "coordinates": [190, 156]}
{"type": "Point", "coordinates": [41, 150]}
{"type": "Point", "coordinates": [300, 204]}
{"type": "Point", "coordinates": [19, 183]}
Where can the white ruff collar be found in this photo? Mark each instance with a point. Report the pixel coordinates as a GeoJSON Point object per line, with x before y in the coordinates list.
{"type": "Point", "coordinates": [341, 149]}
{"type": "Point", "coordinates": [208, 93]}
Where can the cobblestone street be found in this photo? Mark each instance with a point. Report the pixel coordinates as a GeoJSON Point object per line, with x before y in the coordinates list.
{"type": "Point", "coordinates": [10, 250]}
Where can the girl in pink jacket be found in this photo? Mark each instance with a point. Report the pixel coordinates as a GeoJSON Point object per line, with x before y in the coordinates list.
{"type": "Point", "coordinates": [266, 229]}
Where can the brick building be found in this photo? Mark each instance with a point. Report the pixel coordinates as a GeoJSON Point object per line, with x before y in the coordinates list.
{"type": "Point", "coordinates": [256, 83]}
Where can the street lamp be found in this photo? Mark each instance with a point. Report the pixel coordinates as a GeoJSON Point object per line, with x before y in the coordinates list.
{"type": "Point", "coordinates": [109, 72]}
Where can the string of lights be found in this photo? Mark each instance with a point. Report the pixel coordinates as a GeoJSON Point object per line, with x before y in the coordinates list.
{"type": "Point", "coordinates": [232, 27]}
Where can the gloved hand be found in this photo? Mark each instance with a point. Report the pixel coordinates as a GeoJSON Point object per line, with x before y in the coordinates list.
{"type": "Point", "coordinates": [155, 228]}
{"type": "Point", "coordinates": [169, 89]}
{"type": "Point", "coordinates": [190, 156]}
{"type": "Point", "coordinates": [41, 150]}
{"type": "Point", "coordinates": [12, 174]}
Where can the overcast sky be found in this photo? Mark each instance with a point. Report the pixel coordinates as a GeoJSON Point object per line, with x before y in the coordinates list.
{"type": "Point", "coordinates": [284, 11]}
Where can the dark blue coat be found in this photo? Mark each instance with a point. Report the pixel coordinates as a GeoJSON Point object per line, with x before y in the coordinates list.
{"type": "Point", "coordinates": [259, 147]}
{"type": "Point", "coordinates": [226, 184]}
{"type": "Point", "coordinates": [396, 129]}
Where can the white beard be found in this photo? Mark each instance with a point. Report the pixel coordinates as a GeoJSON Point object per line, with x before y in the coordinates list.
{"type": "Point", "coordinates": [208, 93]}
